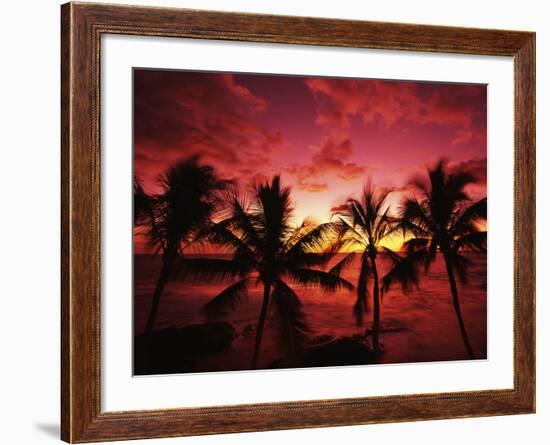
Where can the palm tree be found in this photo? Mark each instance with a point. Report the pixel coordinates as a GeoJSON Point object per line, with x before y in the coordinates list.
{"type": "Point", "coordinates": [441, 218]}
{"type": "Point", "coordinates": [267, 250]}
{"type": "Point", "coordinates": [178, 215]}
{"type": "Point", "coordinates": [142, 203]}
{"type": "Point", "coordinates": [365, 225]}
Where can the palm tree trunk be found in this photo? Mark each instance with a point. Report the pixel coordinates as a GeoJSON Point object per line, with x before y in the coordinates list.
{"type": "Point", "coordinates": [456, 305]}
{"type": "Point", "coordinates": [376, 311]}
{"type": "Point", "coordinates": [167, 261]}
{"type": "Point", "coordinates": [261, 324]}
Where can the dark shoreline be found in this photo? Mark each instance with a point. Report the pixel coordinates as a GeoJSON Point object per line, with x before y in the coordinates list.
{"type": "Point", "coordinates": [180, 350]}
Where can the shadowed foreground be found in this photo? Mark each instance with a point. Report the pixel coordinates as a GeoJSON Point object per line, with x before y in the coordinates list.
{"type": "Point", "coordinates": [184, 350]}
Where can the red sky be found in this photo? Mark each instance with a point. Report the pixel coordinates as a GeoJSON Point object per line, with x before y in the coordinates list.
{"type": "Point", "coordinates": [323, 135]}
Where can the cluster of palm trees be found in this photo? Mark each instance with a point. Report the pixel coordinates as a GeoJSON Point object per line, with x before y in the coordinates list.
{"type": "Point", "coordinates": [263, 247]}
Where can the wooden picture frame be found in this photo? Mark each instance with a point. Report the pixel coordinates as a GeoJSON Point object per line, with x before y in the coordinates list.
{"type": "Point", "coordinates": [82, 26]}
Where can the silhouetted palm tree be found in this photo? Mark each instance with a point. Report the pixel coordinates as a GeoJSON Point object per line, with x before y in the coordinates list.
{"type": "Point", "coordinates": [441, 218]}
{"type": "Point", "coordinates": [365, 225]}
{"type": "Point", "coordinates": [142, 204]}
{"type": "Point", "coordinates": [267, 250]}
{"type": "Point", "coordinates": [179, 214]}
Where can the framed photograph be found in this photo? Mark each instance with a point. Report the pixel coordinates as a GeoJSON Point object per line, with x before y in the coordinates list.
{"type": "Point", "coordinates": [275, 222]}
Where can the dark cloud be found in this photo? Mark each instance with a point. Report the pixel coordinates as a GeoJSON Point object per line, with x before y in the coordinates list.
{"type": "Point", "coordinates": [333, 156]}
{"type": "Point", "coordinates": [313, 187]}
{"type": "Point", "coordinates": [329, 159]}
{"type": "Point", "coordinates": [476, 167]}
{"type": "Point", "coordinates": [180, 113]}
{"type": "Point", "coordinates": [385, 103]}
{"type": "Point", "coordinates": [338, 208]}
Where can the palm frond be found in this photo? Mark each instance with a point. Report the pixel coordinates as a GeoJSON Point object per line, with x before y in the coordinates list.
{"type": "Point", "coordinates": [318, 278]}
{"type": "Point", "coordinates": [142, 203]}
{"type": "Point", "coordinates": [299, 231]}
{"type": "Point", "coordinates": [414, 218]}
{"type": "Point", "coordinates": [405, 269]}
{"type": "Point", "coordinates": [467, 216]}
{"type": "Point", "coordinates": [342, 264]}
{"type": "Point", "coordinates": [209, 270]}
{"type": "Point", "coordinates": [461, 264]}
{"type": "Point", "coordinates": [455, 184]}
{"type": "Point", "coordinates": [380, 202]}
{"type": "Point", "coordinates": [358, 215]}
{"type": "Point", "coordinates": [314, 239]}
{"type": "Point", "coordinates": [447, 192]}
{"type": "Point", "coordinates": [384, 225]}
{"type": "Point", "coordinates": [221, 235]}
{"type": "Point", "coordinates": [415, 244]}
{"type": "Point", "coordinates": [290, 318]}
{"type": "Point", "coordinates": [272, 204]}
{"type": "Point", "coordinates": [190, 197]}
{"type": "Point", "coordinates": [242, 221]}
{"type": "Point", "coordinates": [476, 241]}
{"type": "Point", "coordinates": [227, 300]}
{"type": "Point", "coordinates": [349, 233]}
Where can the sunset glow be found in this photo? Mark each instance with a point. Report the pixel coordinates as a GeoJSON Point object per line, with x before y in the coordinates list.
{"type": "Point", "coordinates": [291, 222]}
{"type": "Point", "coordinates": [324, 136]}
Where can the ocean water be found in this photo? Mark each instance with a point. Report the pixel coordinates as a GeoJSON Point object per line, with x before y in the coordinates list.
{"type": "Point", "coordinates": [418, 326]}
